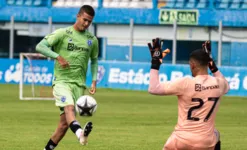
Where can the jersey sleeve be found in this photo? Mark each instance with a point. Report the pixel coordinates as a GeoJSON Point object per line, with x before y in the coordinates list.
{"type": "Point", "coordinates": [94, 59]}
{"type": "Point", "coordinates": [222, 82]}
{"type": "Point", "coordinates": [44, 48]}
{"type": "Point", "coordinates": [166, 88]}
{"type": "Point", "coordinates": [54, 37]}
{"type": "Point", "coordinates": [177, 87]}
{"type": "Point", "coordinates": [95, 50]}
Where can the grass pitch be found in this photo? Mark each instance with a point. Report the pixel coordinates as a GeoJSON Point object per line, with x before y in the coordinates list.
{"type": "Point", "coordinates": [125, 120]}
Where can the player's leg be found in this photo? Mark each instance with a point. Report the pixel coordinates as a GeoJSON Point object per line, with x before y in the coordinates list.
{"type": "Point", "coordinates": [58, 134]}
{"type": "Point", "coordinates": [170, 143]}
{"type": "Point", "coordinates": [78, 91]}
{"type": "Point", "coordinates": [63, 94]}
{"type": "Point", "coordinates": [75, 126]}
{"type": "Point", "coordinates": [60, 131]}
{"type": "Point", "coordinates": [218, 144]}
{"type": "Point", "coordinates": [65, 98]}
{"type": "Point", "coordinates": [174, 144]}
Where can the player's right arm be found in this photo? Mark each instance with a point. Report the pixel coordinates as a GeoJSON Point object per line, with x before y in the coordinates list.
{"type": "Point", "coordinates": [165, 88]}
{"type": "Point", "coordinates": [155, 86]}
{"type": "Point", "coordinates": [44, 47]}
{"type": "Point", "coordinates": [214, 69]}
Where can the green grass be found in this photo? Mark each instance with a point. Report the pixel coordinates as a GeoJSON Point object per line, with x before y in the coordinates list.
{"type": "Point", "coordinates": [125, 120]}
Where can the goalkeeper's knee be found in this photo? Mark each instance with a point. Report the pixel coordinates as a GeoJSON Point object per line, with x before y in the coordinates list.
{"type": "Point", "coordinates": [217, 146]}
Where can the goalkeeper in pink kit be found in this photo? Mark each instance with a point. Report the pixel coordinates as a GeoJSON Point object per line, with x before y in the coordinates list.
{"type": "Point", "coordinates": [198, 99]}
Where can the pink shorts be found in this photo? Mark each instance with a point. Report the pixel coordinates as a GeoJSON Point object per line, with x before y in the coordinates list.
{"type": "Point", "coordinates": [174, 144]}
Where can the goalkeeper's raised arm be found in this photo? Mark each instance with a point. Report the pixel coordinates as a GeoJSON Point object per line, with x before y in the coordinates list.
{"type": "Point", "coordinates": [155, 86]}
{"type": "Point", "coordinates": [206, 47]}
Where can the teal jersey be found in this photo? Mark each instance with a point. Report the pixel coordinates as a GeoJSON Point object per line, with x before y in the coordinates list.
{"type": "Point", "coordinates": [76, 48]}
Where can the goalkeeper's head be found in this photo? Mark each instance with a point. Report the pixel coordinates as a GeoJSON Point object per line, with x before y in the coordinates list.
{"type": "Point", "coordinates": [199, 60]}
{"type": "Point", "coordinates": [84, 17]}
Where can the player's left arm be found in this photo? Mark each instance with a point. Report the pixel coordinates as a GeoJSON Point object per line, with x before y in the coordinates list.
{"type": "Point", "coordinates": [94, 64]}
{"type": "Point", "coordinates": [214, 69]}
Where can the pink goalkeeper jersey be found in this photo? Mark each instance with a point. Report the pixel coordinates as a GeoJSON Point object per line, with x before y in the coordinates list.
{"type": "Point", "coordinates": [198, 102]}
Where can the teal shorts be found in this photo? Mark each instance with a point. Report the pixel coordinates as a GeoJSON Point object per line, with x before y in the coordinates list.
{"type": "Point", "coordinates": [67, 94]}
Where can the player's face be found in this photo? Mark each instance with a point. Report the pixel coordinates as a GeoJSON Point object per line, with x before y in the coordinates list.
{"type": "Point", "coordinates": [84, 21]}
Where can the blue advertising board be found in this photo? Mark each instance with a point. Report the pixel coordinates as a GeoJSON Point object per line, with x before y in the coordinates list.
{"type": "Point", "coordinates": [135, 76]}
{"type": "Point", "coordinates": [120, 75]}
{"type": "Point", "coordinates": [39, 72]}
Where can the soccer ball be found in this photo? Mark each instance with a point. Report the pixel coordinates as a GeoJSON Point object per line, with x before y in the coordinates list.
{"type": "Point", "coordinates": [86, 105]}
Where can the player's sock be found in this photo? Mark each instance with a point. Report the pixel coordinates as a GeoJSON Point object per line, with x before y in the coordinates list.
{"type": "Point", "coordinates": [50, 145]}
{"type": "Point", "coordinates": [217, 146]}
{"type": "Point", "coordinates": [76, 128]}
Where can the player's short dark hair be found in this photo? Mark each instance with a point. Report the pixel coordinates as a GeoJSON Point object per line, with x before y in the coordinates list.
{"type": "Point", "coordinates": [87, 9]}
{"type": "Point", "coordinates": [200, 56]}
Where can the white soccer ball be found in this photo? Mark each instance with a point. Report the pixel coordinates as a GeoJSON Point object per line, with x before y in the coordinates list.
{"type": "Point", "coordinates": [86, 105]}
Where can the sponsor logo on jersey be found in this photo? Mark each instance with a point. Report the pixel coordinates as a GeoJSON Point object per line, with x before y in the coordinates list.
{"type": "Point", "coordinates": [101, 73]}
{"type": "Point", "coordinates": [73, 47]}
{"type": "Point", "coordinates": [199, 87]}
{"type": "Point", "coordinates": [89, 42]}
{"type": "Point", "coordinates": [70, 46]}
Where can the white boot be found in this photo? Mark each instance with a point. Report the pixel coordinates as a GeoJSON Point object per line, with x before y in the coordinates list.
{"type": "Point", "coordinates": [85, 132]}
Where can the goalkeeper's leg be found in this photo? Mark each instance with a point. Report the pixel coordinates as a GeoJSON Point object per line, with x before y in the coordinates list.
{"type": "Point", "coordinates": [218, 144]}
{"type": "Point", "coordinates": [58, 134]}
